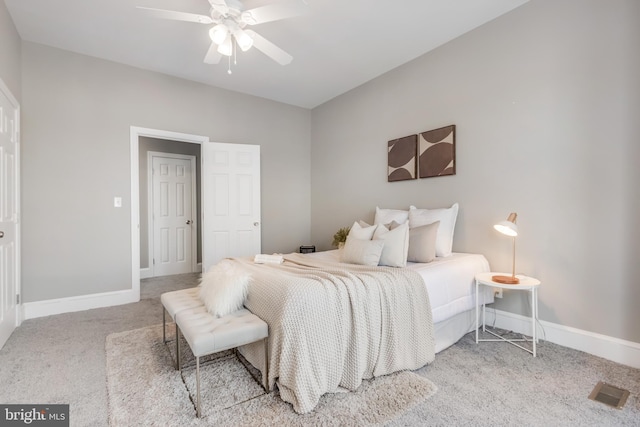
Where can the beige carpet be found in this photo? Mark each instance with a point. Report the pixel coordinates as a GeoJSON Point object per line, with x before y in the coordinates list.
{"type": "Point", "coordinates": [144, 389]}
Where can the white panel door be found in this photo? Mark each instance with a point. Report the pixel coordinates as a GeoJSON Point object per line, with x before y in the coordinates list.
{"type": "Point", "coordinates": [231, 201]}
{"type": "Point", "coordinates": [173, 183]}
{"type": "Point", "coordinates": [9, 217]}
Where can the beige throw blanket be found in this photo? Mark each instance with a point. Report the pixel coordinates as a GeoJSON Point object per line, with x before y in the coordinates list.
{"type": "Point", "coordinates": [332, 325]}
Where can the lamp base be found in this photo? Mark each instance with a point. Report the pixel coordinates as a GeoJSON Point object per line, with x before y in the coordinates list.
{"type": "Point", "coordinates": [507, 280]}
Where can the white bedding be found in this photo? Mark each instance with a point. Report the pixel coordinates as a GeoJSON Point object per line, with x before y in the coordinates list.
{"type": "Point", "coordinates": [449, 281]}
{"type": "Point", "coordinates": [332, 325]}
{"type": "Point", "coordinates": [450, 287]}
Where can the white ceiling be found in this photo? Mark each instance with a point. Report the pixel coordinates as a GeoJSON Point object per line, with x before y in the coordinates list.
{"type": "Point", "coordinates": [339, 45]}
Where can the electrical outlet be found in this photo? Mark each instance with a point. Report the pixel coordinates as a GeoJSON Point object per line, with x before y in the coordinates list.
{"type": "Point", "coordinates": [497, 292]}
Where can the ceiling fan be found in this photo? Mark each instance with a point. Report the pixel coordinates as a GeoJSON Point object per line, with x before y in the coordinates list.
{"type": "Point", "coordinates": [229, 20]}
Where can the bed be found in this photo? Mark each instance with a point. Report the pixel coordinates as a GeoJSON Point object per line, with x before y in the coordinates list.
{"type": "Point", "coordinates": [451, 288]}
{"type": "Point", "coordinates": [425, 309]}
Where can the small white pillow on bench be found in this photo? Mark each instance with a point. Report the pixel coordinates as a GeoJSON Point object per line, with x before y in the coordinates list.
{"type": "Point", "coordinates": [224, 288]}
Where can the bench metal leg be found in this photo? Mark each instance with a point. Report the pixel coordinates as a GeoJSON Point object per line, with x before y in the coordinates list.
{"type": "Point", "coordinates": [198, 414]}
{"type": "Point", "coordinates": [266, 364]}
{"type": "Point", "coordinates": [178, 367]}
{"type": "Point", "coordinates": [164, 325]}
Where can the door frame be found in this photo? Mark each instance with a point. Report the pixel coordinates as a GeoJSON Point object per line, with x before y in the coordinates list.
{"type": "Point", "coordinates": [150, 212]}
{"type": "Point", "coordinates": [134, 134]}
{"type": "Point", "coordinates": [17, 259]}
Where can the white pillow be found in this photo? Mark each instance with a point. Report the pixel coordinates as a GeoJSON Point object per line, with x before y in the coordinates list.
{"type": "Point", "coordinates": [362, 233]}
{"type": "Point", "coordinates": [363, 252]}
{"type": "Point", "coordinates": [224, 288]}
{"type": "Point", "coordinates": [447, 218]}
{"type": "Point", "coordinates": [422, 243]}
{"type": "Point", "coordinates": [396, 245]}
{"type": "Point", "coordinates": [385, 216]}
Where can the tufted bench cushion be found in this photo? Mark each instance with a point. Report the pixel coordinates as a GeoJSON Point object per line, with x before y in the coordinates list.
{"type": "Point", "coordinates": [176, 301]}
{"type": "Point", "coordinates": [207, 334]}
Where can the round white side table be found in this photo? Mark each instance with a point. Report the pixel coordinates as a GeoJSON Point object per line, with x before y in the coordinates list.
{"type": "Point", "coordinates": [526, 284]}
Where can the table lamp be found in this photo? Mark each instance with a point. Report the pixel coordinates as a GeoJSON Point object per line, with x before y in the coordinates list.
{"type": "Point", "coordinates": [510, 229]}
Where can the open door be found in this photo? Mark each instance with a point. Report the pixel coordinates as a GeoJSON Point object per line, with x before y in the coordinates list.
{"type": "Point", "coordinates": [231, 220]}
{"type": "Point", "coordinates": [9, 213]}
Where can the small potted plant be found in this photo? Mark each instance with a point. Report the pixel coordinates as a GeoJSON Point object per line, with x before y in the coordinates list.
{"type": "Point", "coordinates": [340, 237]}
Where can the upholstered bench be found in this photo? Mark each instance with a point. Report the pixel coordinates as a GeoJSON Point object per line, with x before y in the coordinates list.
{"type": "Point", "coordinates": [207, 334]}
{"type": "Point", "coordinates": [176, 301]}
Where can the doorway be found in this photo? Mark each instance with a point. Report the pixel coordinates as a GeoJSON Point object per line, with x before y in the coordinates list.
{"type": "Point", "coordinates": [172, 213]}
{"type": "Point", "coordinates": [136, 135]}
{"type": "Point", "coordinates": [230, 216]}
{"type": "Point", "coordinates": [149, 146]}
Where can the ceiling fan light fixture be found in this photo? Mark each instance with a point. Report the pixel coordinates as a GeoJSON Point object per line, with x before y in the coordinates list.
{"type": "Point", "coordinates": [243, 39]}
{"type": "Point", "coordinates": [226, 47]}
{"type": "Point", "coordinates": [219, 34]}
{"type": "Point", "coordinates": [228, 20]}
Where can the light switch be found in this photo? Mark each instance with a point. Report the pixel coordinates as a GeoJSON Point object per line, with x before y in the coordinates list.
{"type": "Point", "coordinates": [117, 202]}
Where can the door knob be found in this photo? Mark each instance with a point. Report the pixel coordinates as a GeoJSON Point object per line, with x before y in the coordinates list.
{"type": "Point", "coordinates": [255, 224]}
{"type": "Point", "coordinates": [188, 221]}
{"type": "Point", "coordinates": [1, 234]}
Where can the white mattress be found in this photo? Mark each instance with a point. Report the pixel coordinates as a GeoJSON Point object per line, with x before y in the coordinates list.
{"type": "Point", "coordinates": [449, 281]}
{"type": "Point", "coordinates": [451, 285]}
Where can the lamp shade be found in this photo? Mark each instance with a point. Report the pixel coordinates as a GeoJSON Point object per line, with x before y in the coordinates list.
{"type": "Point", "coordinates": [243, 39]}
{"type": "Point", "coordinates": [226, 48]}
{"type": "Point", "coordinates": [218, 33]}
{"type": "Point", "coordinates": [510, 229]}
{"type": "Point", "coordinates": [509, 226]}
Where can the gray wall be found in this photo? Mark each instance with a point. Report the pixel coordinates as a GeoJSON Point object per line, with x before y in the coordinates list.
{"type": "Point", "coordinates": [10, 72]}
{"type": "Point", "coordinates": [164, 146]}
{"type": "Point", "coordinates": [546, 103]}
{"type": "Point", "coordinates": [77, 113]}
{"type": "Point", "coordinates": [546, 100]}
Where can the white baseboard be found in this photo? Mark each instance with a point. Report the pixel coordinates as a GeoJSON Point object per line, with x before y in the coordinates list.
{"type": "Point", "coordinates": [145, 273]}
{"type": "Point", "coordinates": [615, 349]}
{"type": "Point", "coordinates": [32, 310]}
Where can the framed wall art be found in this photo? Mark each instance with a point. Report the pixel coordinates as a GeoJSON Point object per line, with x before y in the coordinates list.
{"type": "Point", "coordinates": [437, 152]}
{"type": "Point", "coordinates": [402, 156]}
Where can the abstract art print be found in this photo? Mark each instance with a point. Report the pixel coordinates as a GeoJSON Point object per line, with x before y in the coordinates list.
{"type": "Point", "coordinates": [402, 158]}
{"type": "Point", "coordinates": [437, 152]}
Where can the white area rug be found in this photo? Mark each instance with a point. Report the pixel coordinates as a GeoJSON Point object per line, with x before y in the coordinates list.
{"type": "Point", "coordinates": [145, 389]}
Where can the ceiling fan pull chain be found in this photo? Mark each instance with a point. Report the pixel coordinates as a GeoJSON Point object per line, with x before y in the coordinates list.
{"type": "Point", "coordinates": [229, 70]}
{"type": "Point", "coordinates": [235, 51]}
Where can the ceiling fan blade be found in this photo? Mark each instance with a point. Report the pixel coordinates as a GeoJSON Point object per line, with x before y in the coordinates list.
{"type": "Point", "coordinates": [212, 56]}
{"type": "Point", "coordinates": [269, 49]}
{"type": "Point", "coordinates": [178, 16]}
{"type": "Point", "coordinates": [275, 12]}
